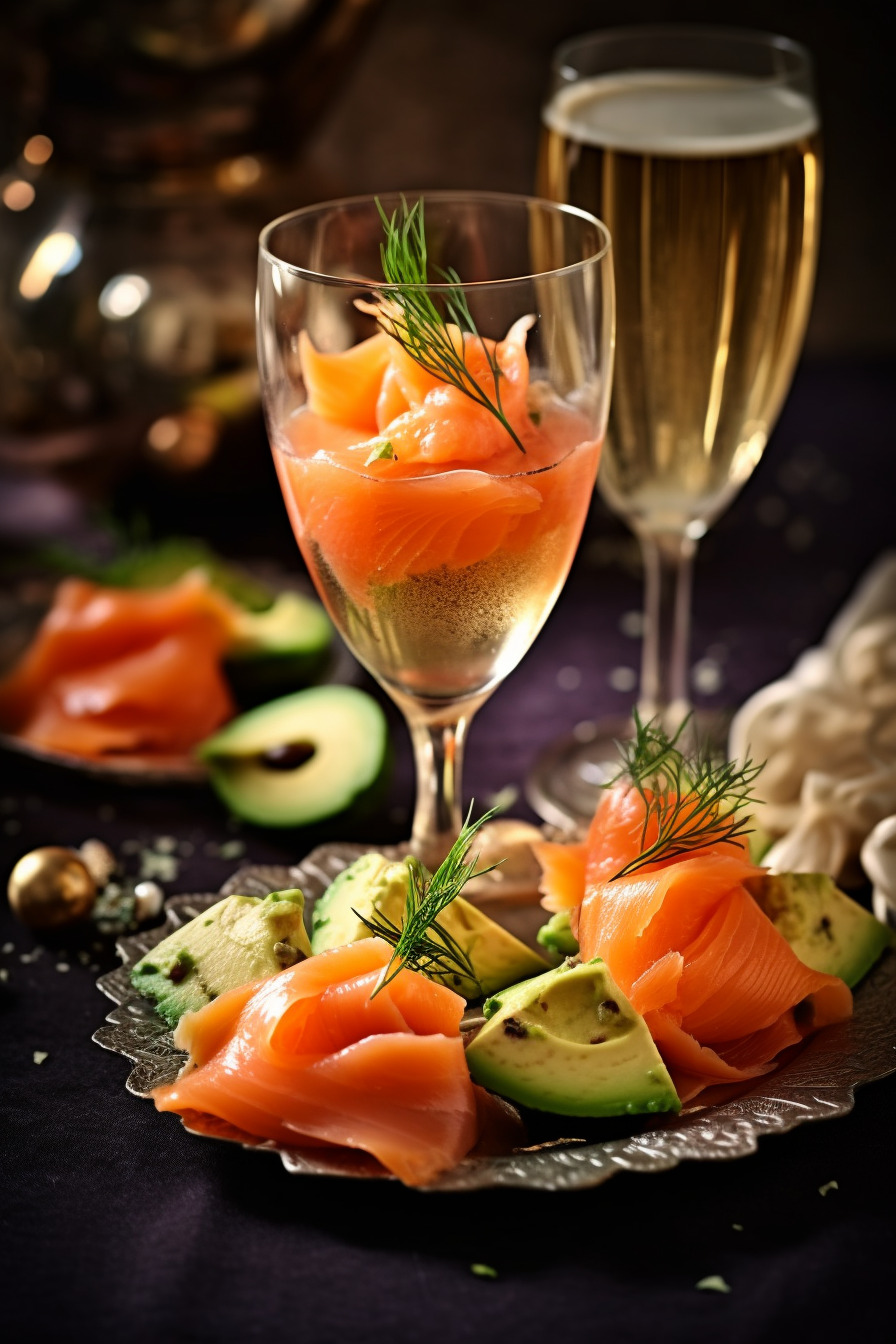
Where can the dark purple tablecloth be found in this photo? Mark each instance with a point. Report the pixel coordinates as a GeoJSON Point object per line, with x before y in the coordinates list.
{"type": "Point", "coordinates": [117, 1225]}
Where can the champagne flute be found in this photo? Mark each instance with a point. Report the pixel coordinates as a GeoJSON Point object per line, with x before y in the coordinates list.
{"type": "Point", "coordinates": [700, 148]}
{"type": "Point", "coordinates": [437, 530]}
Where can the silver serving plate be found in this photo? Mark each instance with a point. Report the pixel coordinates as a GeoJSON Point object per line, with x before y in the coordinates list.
{"type": "Point", "coordinates": [816, 1082]}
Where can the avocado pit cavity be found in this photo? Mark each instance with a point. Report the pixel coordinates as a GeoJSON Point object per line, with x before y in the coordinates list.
{"type": "Point", "coordinates": [287, 755]}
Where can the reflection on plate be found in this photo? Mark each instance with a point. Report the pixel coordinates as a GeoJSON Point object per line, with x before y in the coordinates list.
{"type": "Point", "coordinates": [817, 1082]}
{"type": "Point", "coordinates": [21, 611]}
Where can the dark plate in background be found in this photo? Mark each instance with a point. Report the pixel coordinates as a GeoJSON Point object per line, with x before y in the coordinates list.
{"type": "Point", "coordinates": [23, 606]}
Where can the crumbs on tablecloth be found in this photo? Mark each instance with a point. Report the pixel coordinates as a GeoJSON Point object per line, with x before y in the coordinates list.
{"type": "Point", "coordinates": [829, 1185]}
{"type": "Point", "coordinates": [713, 1283]}
{"type": "Point", "coordinates": [158, 864]}
{"type": "Point", "coordinates": [40, 1055]}
{"type": "Point", "coordinates": [227, 849]}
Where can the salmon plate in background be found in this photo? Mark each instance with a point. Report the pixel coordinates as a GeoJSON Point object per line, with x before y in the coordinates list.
{"type": "Point", "coordinates": [115, 671]}
{"type": "Point", "coordinates": [437, 544]}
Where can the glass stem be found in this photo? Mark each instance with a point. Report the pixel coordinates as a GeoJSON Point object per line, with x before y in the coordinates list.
{"type": "Point", "coordinates": [668, 576]}
{"type": "Point", "coordinates": [438, 740]}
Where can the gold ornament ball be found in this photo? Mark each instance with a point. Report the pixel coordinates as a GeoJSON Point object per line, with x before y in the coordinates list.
{"type": "Point", "coordinates": [51, 887]}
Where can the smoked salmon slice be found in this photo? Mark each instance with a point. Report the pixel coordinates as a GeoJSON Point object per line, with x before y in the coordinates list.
{"type": "Point", "coordinates": [459, 489]}
{"type": "Point", "coordinates": [624, 826]}
{"type": "Point", "coordinates": [562, 874]}
{"type": "Point", "coordinates": [620, 831]}
{"type": "Point", "coordinates": [309, 1056]}
{"type": "Point", "coordinates": [374, 534]}
{"type": "Point", "coordinates": [346, 387]}
{"type": "Point", "coordinates": [716, 982]}
{"type": "Point", "coordinates": [721, 990]}
{"type": "Point", "coordinates": [118, 671]}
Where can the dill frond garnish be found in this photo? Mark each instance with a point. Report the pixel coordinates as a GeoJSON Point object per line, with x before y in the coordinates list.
{"type": "Point", "coordinates": [409, 314]}
{"type": "Point", "coordinates": [380, 449]}
{"type": "Point", "coordinates": [694, 799]}
{"type": "Point", "coordinates": [421, 943]}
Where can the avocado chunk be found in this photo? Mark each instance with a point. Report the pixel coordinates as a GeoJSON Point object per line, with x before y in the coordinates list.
{"type": "Point", "coordinates": [759, 842]}
{"type": "Point", "coordinates": [570, 1042]}
{"type": "Point", "coordinates": [242, 938]}
{"type": "Point", "coordinates": [375, 886]}
{"type": "Point", "coordinates": [557, 936]}
{"type": "Point", "coordinates": [287, 645]}
{"type": "Point", "coordinates": [300, 758]}
{"type": "Point", "coordinates": [826, 929]}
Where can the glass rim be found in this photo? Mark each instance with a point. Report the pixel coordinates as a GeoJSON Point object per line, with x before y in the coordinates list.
{"type": "Point", "coordinates": [267, 254]}
{"type": "Point", "coordinates": [743, 37]}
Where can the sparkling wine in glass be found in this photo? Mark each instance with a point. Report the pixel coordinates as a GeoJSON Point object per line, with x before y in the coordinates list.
{"type": "Point", "coordinates": [700, 148]}
{"type": "Point", "coordinates": [437, 506]}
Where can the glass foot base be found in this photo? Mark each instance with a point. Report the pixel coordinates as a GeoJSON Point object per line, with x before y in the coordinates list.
{"type": "Point", "coordinates": [565, 782]}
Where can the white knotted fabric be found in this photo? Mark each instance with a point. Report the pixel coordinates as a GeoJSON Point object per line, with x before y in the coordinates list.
{"type": "Point", "coordinates": [827, 733]}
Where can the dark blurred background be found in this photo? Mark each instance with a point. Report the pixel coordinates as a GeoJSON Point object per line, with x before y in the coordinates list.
{"type": "Point", "coordinates": [143, 143]}
{"type": "Point", "coordinates": [448, 92]}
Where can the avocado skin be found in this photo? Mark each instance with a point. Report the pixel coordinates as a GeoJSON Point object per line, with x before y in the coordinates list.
{"type": "Point", "coordinates": [239, 939]}
{"type": "Point", "coordinates": [374, 885]}
{"type": "Point", "coordinates": [569, 1042]}
{"type": "Point", "coordinates": [826, 928]}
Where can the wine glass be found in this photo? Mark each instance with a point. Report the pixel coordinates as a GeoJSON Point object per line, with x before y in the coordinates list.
{"type": "Point", "coordinates": [438, 534]}
{"type": "Point", "coordinates": [700, 148]}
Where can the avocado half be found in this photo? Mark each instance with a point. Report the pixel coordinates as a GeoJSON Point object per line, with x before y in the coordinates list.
{"type": "Point", "coordinates": [287, 645]}
{"type": "Point", "coordinates": [300, 758]}
{"type": "Point", "coordinates": [376, 886]}
{"type": "Point", "coordinates": [570, 1042]}
{"type": "Point", "coordinates": [239, 939]}
{"type": "Point", "coordinates": [826, 929]}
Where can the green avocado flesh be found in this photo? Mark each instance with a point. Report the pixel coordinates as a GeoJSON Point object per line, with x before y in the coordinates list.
{"type": "Point", "coordinates": [570, 1042]}
{"type": "Point", "coordinates": [301, 758]}
{"type": "Point", "coordinates": [826, 929]}
{"type": "Point", "coordinates": [557, 937]}
{"type": "Point", "coordinates": [374, 885]}
{"type": "Point", "coordinates": [287, 645]}
{"type": "Point", "coordinates": [242, 938]}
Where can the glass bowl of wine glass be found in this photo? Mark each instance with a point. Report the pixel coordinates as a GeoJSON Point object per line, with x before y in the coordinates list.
{"type": "Point", "coordinates": [435, 374]}
{"type": "Point", "coordinates": [700, 147]}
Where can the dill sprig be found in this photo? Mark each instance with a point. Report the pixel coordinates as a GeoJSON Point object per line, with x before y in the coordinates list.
{"type": "Point", "coordinates": [411, 317]}
{"type": "Point", "coordinates": [416, 946]}
{"type": "Point", "coordinates": [694, 799]}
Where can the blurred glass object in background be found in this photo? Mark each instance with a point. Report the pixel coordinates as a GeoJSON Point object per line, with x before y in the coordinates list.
{"type": "Point", "coordinates": [143, 144]}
